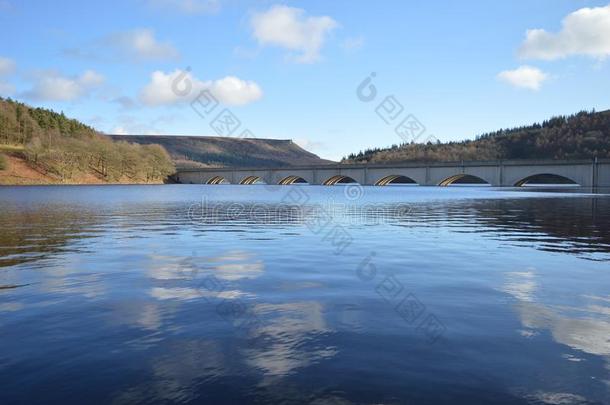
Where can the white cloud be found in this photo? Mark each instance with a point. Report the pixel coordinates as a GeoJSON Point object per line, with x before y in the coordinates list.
{"type": "Point", "coordinates": [7, 66]}
{"type": "Point", "coordinates": [526, 77]}
{"type": "Point", "coordinates": [52, 86]}
{"type": "Point", "coordinates": [188, 6]}
{"type": "Point", "coordinates": [584, 32]}
{"type": "Point", "coordinates": [229, 90]}
{"type": "Point", "coordinates": [290, 28]}
{"type": "Point", "coordinates": [232, 90]}
{"type": "Point", "coordinates": [141, 44]}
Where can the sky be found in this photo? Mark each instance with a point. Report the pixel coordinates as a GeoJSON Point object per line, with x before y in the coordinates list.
{"type": "Point", "coordinates": [334, 76]}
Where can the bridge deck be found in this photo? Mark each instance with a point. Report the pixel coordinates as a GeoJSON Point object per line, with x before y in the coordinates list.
{"type": "Point", "coordinates": [587, 173]}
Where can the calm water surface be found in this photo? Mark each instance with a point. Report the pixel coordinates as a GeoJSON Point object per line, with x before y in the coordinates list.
{"type": "Point", "coordinates": [304, 294]}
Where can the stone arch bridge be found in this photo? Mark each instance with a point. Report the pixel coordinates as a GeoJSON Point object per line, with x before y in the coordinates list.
{"type": "Point", "coordinates": [586, 173]}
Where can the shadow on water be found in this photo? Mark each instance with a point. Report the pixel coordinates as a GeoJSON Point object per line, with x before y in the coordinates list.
{"type": "Point", "coordinates": [33, 234]}
{"type": "Point", "coordinates": [570, 225]}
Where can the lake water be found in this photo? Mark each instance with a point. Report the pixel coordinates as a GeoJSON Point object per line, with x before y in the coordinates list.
{"type": "Point", "coordinates": [303, 294]}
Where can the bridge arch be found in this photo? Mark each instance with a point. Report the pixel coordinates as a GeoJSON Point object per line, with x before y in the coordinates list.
{"type": "Point", "coordinates": [249, 180]}
{"type": "Point", "coordinates": [463, 178]}
{"type": "Point", "coordinates": [339, 179]}
{"type": "Point", "coordinates": [394, 179]}
{"type": "Point", "coordinates": [546, 179]}
{"type": "Point", "coordinates": [292, 180]}
{"type": "Point", "coordinates": [217, 180]}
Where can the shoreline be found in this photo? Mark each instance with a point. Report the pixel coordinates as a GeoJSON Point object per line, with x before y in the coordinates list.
{"type": "Point", "coordinates": [19, 173]}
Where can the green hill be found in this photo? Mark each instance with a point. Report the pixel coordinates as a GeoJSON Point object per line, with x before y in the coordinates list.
{"type": "Point", "coordinates": [580, 136]}
{"type": "Point", "coordinates": [65, 150]}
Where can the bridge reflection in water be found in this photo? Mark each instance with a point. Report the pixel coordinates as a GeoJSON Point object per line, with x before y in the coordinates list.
{"type": "Point", "coordinates": [585, 173]}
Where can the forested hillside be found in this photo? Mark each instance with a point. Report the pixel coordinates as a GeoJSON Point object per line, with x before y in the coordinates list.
{"type": "Point", "coordinates": [67, 150]}
{"type": "Point", "coordinates": [581, 136]}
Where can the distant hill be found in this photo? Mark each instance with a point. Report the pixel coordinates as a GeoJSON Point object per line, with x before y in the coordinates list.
{"type": "Point", "coordinates": [580, 136]}
{"type": "Point", "coordinates": [200, 151]}
{"type": "Point", "coordinates": [42, 146]}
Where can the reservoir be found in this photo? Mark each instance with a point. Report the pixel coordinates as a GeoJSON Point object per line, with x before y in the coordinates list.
{"type": "Point", "coordinates": [304, 294]}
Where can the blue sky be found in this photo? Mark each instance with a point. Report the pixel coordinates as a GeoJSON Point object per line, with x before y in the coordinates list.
{"type": "Point", "coordinates": [291, 69]}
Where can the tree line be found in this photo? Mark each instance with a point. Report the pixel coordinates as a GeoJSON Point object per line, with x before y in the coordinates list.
{"type": "Point", "coordinates": [69, 149]}
{"type": "Point", "coordinates": [584, 135]}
